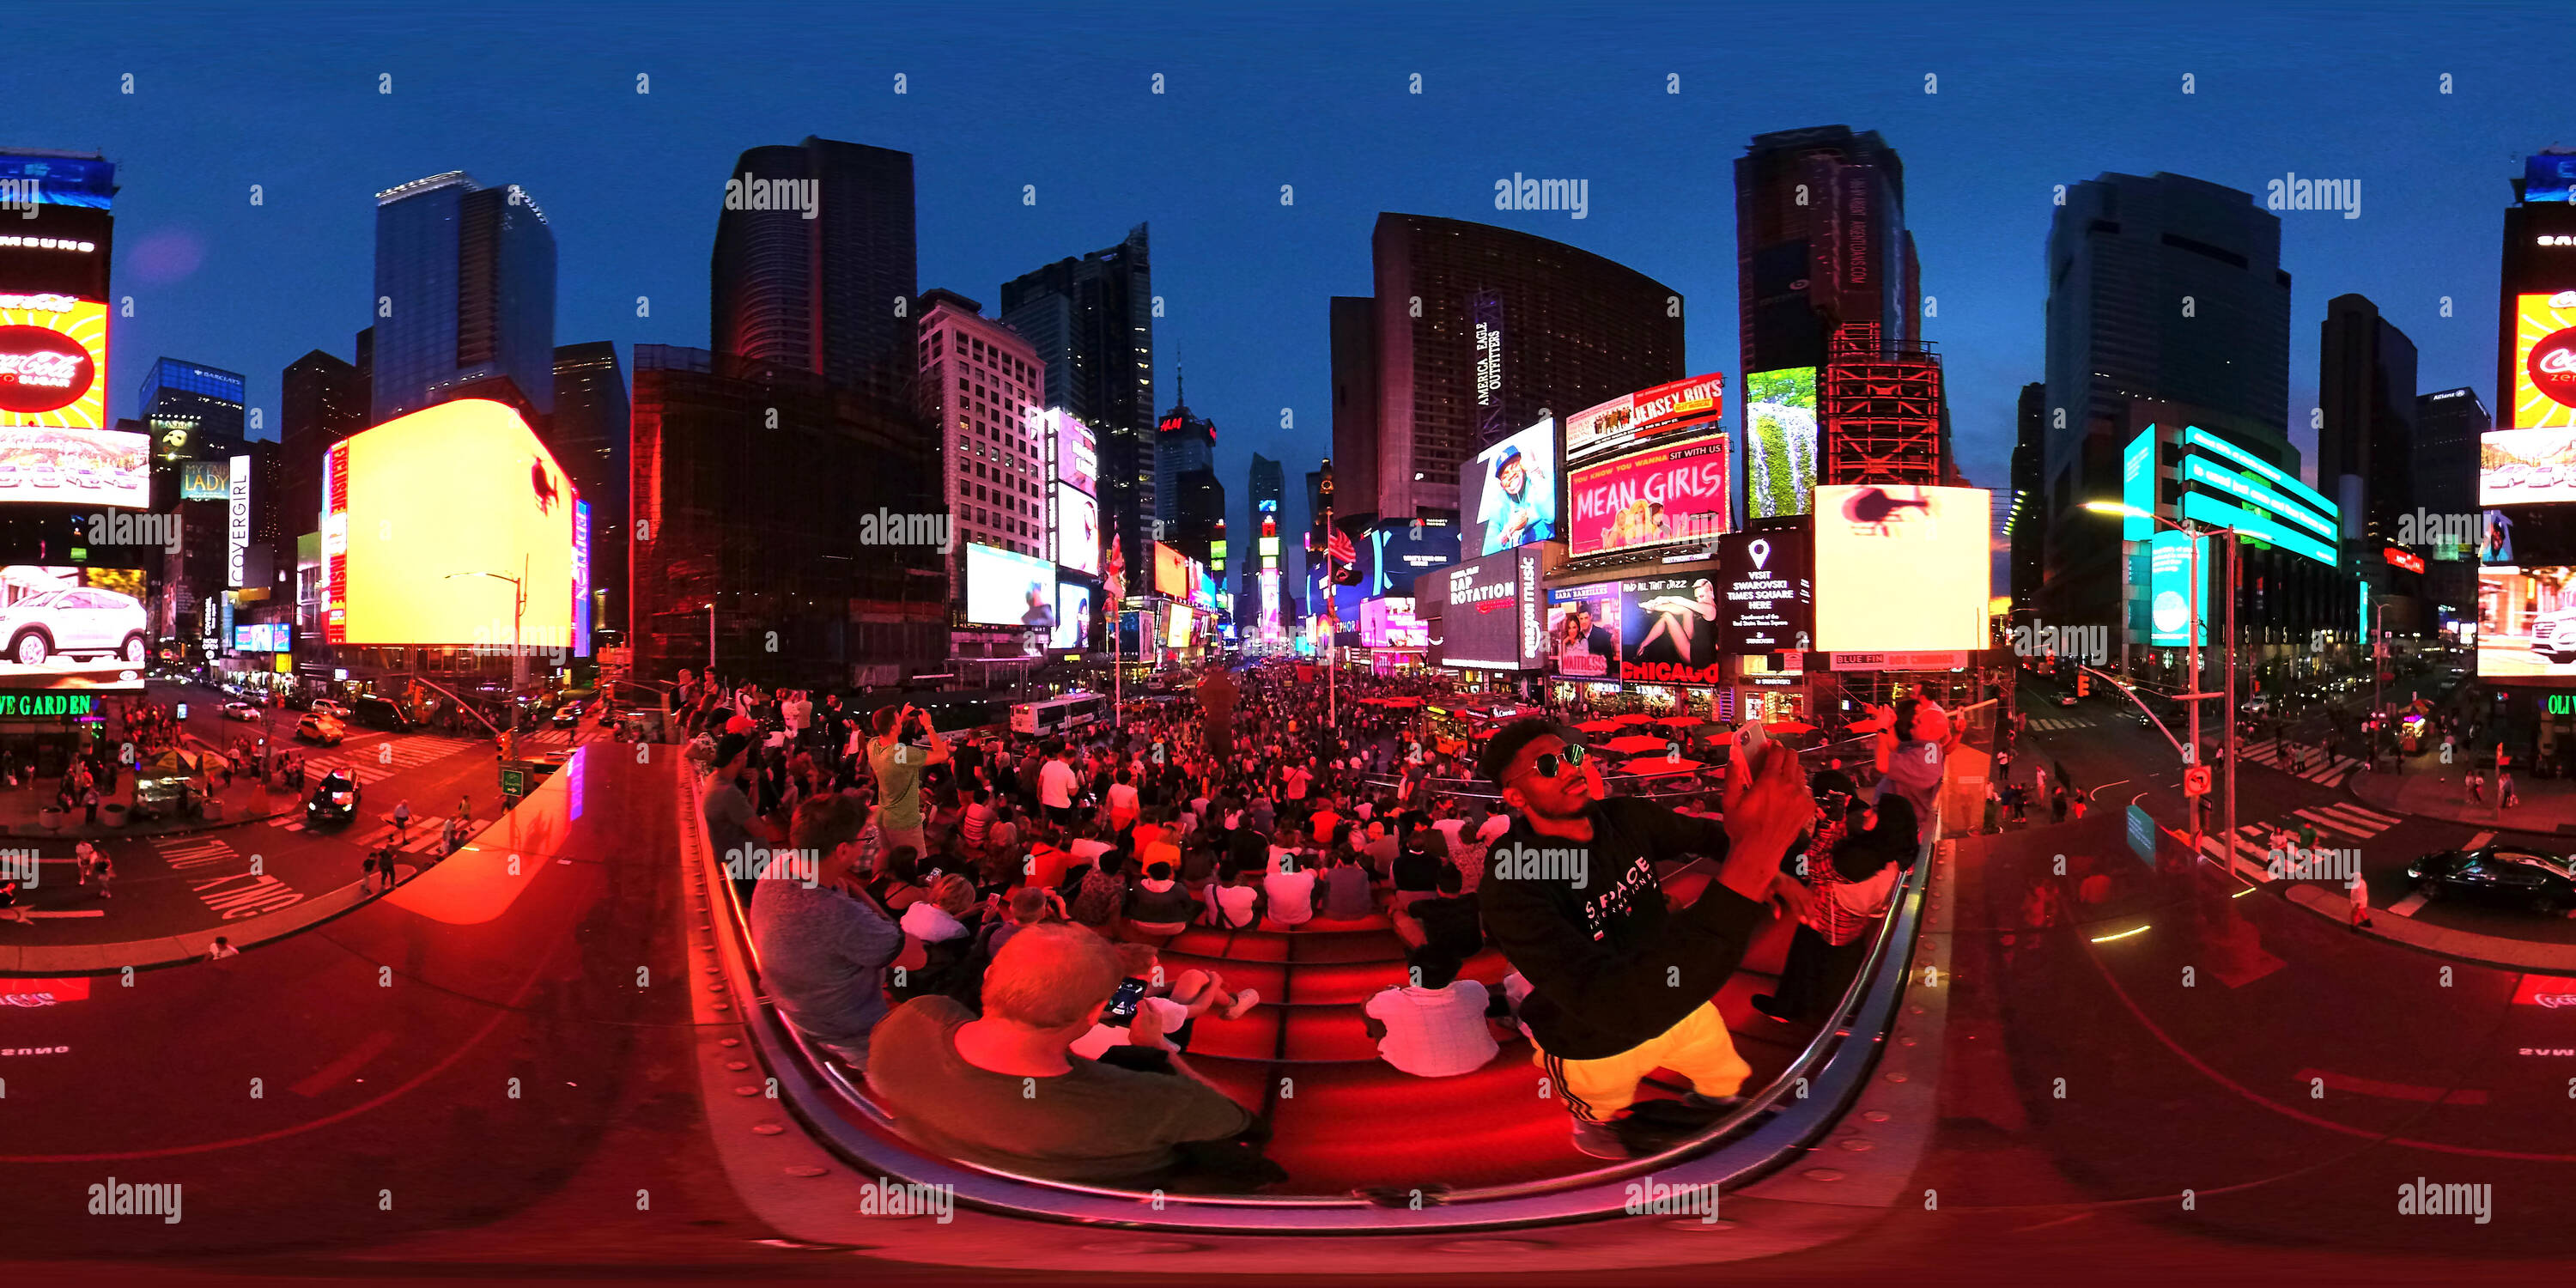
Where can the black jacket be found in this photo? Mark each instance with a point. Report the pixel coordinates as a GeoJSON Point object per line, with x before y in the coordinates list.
{"type": "Point", "coordinates": [1609, 966]}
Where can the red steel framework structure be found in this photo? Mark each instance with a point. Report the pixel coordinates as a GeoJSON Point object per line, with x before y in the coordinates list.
{"type": "Point", "coordinates": [1882, 411]}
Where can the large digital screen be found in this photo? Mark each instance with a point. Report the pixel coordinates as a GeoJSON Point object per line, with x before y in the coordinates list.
{"type": "Point", "coordinates": [1177, 619]}
{"type": "Point", "coordinates": [1388, 621]}
{"type": "Point", "coordinates": [1766, 592]}
{"type": "Point", "coordinates": [2526, 466]}
{"type": "Point", "coordinates": [77, 467]}
{"type": "Point", "coordinates": [2138, 486]}
{"type": "Point", "coordinates": [264, 637]}
{"type": "Point", "coordinates": [1072, 616]}
{"type": "Point", "coordinates": [1674, 492]}
{"type": "Point", "coordinates": [1397, 551]}
{"type": "Point", "coordinates": [1007, 588]}
{"type": "Point", "coordinates": [437, 522]}
{"type": "Point", "coordinates": [1514, 483]}
{"type": "Point", "coordinates": [1171, 572]}
{"type": "Point", "coordinates": [205, 480]}
{"type": "Point", "coordinates": [1077, 529]}
{"type": "Point", "coordinates": [1902, 568]}
{"type": "Point", "coordinates": [1482, 624]}
{"type": "Point", "coordinates": [53, 362]}
{"type": "Point", "coordinates": [1583, 631]}
{"type": "Point", "coordinates": [1634, 420]}
{"type": "Point", "coordinates": [2177, 588]}
{"type": "Point", "coordinates": [2527, 622]}
{"type": "Point", "coordinates": [2495, 546]}
{"type": "Point", "coordinates": [1077, 453]}
{"type": "Point", "coordinates": [2549, 177]}
{"type": "Point", "coordinates": [581, 581]}
{"type": "Point", "coordinates": [2544, 362]}
{"type": "Point", "coordinates": [1779, 442]}
{"type": "Point", "coordinates": [73, 628]}
{"type": "Point", "coordinates": [1672, 629]}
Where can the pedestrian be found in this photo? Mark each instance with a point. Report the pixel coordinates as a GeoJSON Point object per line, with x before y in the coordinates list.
{"type": "Point", "coordinates": [2477, 786]}
{"type": "Point", "coordinates": [84, 859]}
{"type": "Point", "coordinates": [2076, 802]}
{"type": "Point", "coordinates": [402, 820]}
{"type": "Point", "coordinates": [221, 949]}
{"type": "Point", "coordinates": [89, 801]}
{"type": "Point", "coordinates": [2504, 789]}
{"type": "Point", "coordinates": [9, 908]}
{"type": "Point", "coordinates": [2057, 804]}
{"type": "Point", "coordinates": [2360, 903]}
{"type": "Point", "coordinates": [104, 871]}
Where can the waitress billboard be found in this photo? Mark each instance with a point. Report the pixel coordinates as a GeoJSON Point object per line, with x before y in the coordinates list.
{"type": "Point", "coordinates": [1665, 494]}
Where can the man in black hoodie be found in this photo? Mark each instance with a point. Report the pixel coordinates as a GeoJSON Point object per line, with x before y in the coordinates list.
{"type": "Point", "coordinates": [1620, 984]}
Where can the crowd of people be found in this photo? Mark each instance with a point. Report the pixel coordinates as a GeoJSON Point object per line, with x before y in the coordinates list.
{"type": "Point", "coordinates": [961, 919]}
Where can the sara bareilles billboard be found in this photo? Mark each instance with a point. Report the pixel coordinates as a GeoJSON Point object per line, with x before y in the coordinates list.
{"type": "Point", "coordinates": [1902, 568]}
{"type": "Point", "coordinates": [1677, 492]}
{"type": "Point", "coordinates": [53, 362]}
{"type": "Point", "coordinates": [426, 515]}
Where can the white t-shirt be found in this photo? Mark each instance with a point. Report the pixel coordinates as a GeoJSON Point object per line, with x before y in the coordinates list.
{"type": "Point", "coordinates": [1435, 1032]}
{"type": "Point", "coordinates": [1122, 798]}
{"type": "Point", "coordinates": [1056, 783]}
{"type": "Point", "coordinates": [1231, 906]}
{"type": "Point", "coordinates": [1496, 824]}
{"type": "Point", "coordinates": [1086, 851]}
{"type": "Point", "coordinates": [1292, 896]}
{"type": "Point", "coordinates": [1449, 827]}
{"type": "Point", "coordinates": [931, 924]}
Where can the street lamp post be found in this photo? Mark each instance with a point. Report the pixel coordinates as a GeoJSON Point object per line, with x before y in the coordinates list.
{"type": "Point", "coordinates": [518, 655]}
{"type": "Point", "coordinates": [2193, 629]}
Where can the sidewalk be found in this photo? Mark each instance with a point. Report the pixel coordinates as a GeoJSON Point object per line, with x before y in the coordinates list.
{"type": "Point", "coordinates": [244, 802]}
{"type": "Point", "coordinates": [2431, 789]}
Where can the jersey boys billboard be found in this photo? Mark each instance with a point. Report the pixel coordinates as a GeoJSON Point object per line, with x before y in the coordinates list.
{"type": "Point", "coordinates": [1663, 494]}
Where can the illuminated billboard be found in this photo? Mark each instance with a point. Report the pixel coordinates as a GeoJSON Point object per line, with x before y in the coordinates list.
{"type": "Point", "coordinates": [2527, 622]}
{"type": "Point", "coordinates": [436, 523]}
{"type": "Point", "coordinates": [1177, 620]}
{"type": "Point", "coordinates": [2544, 362]}
{"type": "Point", "coordinates": [78, 467]}
{"type": "Point", "coordinates": [1635, 420]}
{"type": "Point", "coordinates": [1583, 631]}
{"type": "Point", "coordinates": [1396, 551]}
{"type": "Point", "coordinates": [2526, 466]}
{"type": "Point", "coordinates": [1077, 530]}
{"type": "Point", "coordinates": [1492, 619]}
{"type": "Point", "coordinates": [581, 605]}
{"type": "Point", "coordinates": [73, 628]}
{"type": "Point", "coordinates": [2138, 486]}
{"type": "Point", "coordinates": [1007, 588]}
{"type": "Point", "coordinates": [1171, 572]}
{"type": "Point", "coordinates": [264, 637]}
{"type": "Point", "coordinates": [53, 362]}
{"type": "Point", "coordinates": [2170, 579]}
{"type": "Point", "coordinates": [1671, 629]}
{"type": "Point", "coordinates": [1902, 568]}
{"type": "Point", "coordinates": [1072, 616]}
{"type": "Point", "coordinates": [1077, 453]}
{"type": "Point", "coordinates": [1676, 492]}
{"type": "Point", "coordinates": [2549, 177]}
{"type": "Point", "coordinates": [1388, 621]}
{"type": "Point", "coordinates": [204, 480]}
{"type": "Point", "coordinates": [1766, 592]}
{"type": "Point", "coordinates": [1779, 442]}
{"type": "Point", "coordinates": [1514, 483]}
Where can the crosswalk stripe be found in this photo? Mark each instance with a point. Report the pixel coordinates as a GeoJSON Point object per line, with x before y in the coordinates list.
{"type": "Point", "coordinates": [2343, 825]}
{"type": "Point", "coordinates": [2478, 841]}
{"type": "Point", "coordinates": [2406, 907]}
{"type": "Point", "coordinates": [2363, 814]}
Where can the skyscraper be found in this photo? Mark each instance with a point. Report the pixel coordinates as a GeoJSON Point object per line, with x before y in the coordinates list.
{"type": "Point", "coordinates": [2029, 527]}
{"type": "Point", "coordinates": [1183, 441]}
{"type": "Point", "coordinates": [2167, 305]}
{"type": "Point", "coordinates": [588, 435]}
{"type": "Point", "coordinates": [979, 384]}
{"type": "Point", "coordinates": [1563, 329]}
{"type": "Point", "coordinates": [322, 401]}
{"type": "Point", "coordinates": [1092, 322]}
{"type": "Point", "coordinates": [814, 264]}
{"type": "Point", "coordinates": [194, 411]}
{"type": "Point", "coordinates": [465, 294]}
{"type": "Point", "coordinates": [2448, 425]}
{"type": "Point", "coordinates": [1256, 608]}
{"type": "Point", "coordinates": [1354, 353]}
{"type": "Point", "coordinates": [2366, 446]}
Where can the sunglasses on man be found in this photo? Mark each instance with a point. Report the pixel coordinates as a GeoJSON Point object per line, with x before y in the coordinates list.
{"type": "Point", "coordinates": [1549, 763]}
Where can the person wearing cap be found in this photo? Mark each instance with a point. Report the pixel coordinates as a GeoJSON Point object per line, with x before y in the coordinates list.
{"type": "Point", "coordinates": [1518, 516]}
{"type": "Point", "coordinates": [1621, 984]}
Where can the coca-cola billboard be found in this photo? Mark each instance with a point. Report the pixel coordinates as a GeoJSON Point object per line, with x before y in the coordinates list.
{"type": "Point", "coordinates": [53, 361]}
{"type": "Point", "coordinates": [2544, 382]}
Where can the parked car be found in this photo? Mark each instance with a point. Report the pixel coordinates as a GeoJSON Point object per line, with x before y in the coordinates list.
{"type": "Point", "coordinates": [72, 621]}
{"type": "Point", "coordinates": [320, 729]}
{"type": "Point", "coordinates": [240, 711]}
{"type": "Point", "coordinates": [2541, 882]}
{"type": "Point", "coordinates": [378, 713]}
{"type": "Point", "coordinates": [334, 799]}
{"type": "Point", "coordinates": [327, 707]}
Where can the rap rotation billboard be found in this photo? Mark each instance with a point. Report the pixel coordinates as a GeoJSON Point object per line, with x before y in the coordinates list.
{"type": "Point", "coordinates": [427, 518]}
{"type": "Point", "coordinates": [1491, 618]}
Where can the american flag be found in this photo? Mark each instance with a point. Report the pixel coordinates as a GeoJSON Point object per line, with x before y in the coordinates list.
{"type": "Point", "coordinates": [1114, 581]}
{"type": "Point", "coordinates": [1339, 553]}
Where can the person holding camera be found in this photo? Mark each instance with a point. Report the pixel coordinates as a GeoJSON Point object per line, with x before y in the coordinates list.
{"type": "Point", "coordinates": [897, 766]}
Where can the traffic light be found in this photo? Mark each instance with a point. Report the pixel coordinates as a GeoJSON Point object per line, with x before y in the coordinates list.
{"type": "Point", "coordinates": [2195, 780]}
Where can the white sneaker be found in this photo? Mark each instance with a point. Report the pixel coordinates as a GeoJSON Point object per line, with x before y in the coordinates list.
{"type": "Point", "coordinates": [1243, 1004]}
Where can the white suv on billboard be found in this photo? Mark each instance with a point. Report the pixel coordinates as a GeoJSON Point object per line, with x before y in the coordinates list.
{"type": "Point", "coordinates": [75, 620]}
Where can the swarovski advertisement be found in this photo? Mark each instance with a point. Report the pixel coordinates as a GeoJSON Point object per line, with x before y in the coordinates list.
{"type": "Point", "coordinates": [1768, 591]}
{"type": "Point", "coordinates": [1902, 567]}
{"type": "Point", "coordinates": [1583, 631]}
{"type": "Point", "coordinates": [1672, 629]}
{"type": "Point", "coordinates": [1661, 495]}
{"type": "Point", "coordinates": [1514, 483]}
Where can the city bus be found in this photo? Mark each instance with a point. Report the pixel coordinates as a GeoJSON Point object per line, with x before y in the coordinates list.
{"type": "Point", "coordinates": [1058, 714]}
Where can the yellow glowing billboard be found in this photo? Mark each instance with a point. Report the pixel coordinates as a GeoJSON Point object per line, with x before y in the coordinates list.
{"type": "Point", "coordinates": [2544, 362]}
{"type": "Point", "coordinates": [1902, 567]}
{"type": "Point", "coordinates": [424, 517]}
{"type": "Point", "coordinates": [53, 363]}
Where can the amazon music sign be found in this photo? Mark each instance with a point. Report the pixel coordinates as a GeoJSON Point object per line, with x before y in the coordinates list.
{"type": "Point", "coordinates": [1766, 592]}
{"type": "Point", "coordinates": [1488, 624]}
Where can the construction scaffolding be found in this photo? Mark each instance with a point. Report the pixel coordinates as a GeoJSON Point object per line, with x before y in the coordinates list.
{"type": "Point", "coordinates": [1882, 411]}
